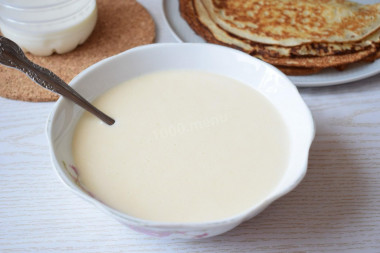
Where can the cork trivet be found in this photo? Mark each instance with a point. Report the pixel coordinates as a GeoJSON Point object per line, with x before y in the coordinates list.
{"type": "Point", "coordinates": [121, 25]}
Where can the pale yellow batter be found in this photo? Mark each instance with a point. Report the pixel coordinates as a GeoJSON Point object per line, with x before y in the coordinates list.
{"type": "Point", "coordinates": [187, 146]}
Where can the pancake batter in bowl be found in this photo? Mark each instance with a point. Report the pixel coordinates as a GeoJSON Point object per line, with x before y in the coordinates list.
{"type": "Point", "coordinates": [187, 146]}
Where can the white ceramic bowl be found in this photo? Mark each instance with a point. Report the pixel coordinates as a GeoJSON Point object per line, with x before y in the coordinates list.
{"type": "Point", "coordinates": [100, 77]}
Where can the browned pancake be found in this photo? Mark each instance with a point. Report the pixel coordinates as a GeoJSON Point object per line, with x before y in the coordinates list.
{"type": "Point", "coordinates": [292, 23]}
{"type": "Point", "coordinates": [319, 62]}
{"type": "Point", "coordinates": [298, 71]}
{"type": "Point", "coordinates": [299, 60]}
{"type": "Point", "coordinates": [188, 13]}
{"type": "Point", "coordinates": [252, 47]}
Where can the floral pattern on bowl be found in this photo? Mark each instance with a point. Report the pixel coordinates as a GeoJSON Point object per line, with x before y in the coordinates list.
{"type": "Point", "coordinates": [74, 174]}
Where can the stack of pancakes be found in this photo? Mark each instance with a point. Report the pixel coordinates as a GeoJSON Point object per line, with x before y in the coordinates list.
{"type": "Point", "coordinates": [299, 37]}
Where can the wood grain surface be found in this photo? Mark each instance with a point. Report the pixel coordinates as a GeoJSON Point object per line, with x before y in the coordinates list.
{"type": "Point", "coordinates": [336, 208]}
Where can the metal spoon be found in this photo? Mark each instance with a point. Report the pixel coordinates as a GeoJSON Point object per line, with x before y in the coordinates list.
{"type": "Point", "coordinates": [11, 55]}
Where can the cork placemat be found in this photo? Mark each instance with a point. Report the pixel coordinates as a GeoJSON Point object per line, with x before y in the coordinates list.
{"type": "Point", "coordinates": [121, 25]}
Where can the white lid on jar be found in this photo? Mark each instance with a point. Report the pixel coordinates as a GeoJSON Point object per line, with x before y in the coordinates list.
{"type": "Point", "coordinates": [46, 26]}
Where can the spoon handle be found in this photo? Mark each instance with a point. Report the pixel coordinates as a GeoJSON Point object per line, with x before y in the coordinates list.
{"type": "Point", "coordinates": [11, 55]}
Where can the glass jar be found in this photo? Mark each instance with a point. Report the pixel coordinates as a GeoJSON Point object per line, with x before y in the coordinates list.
{"type": "Point", "coordinates": [43, 27]}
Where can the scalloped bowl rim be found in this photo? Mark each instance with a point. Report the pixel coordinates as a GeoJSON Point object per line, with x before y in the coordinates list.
{"type": "Point", "coordinates": [235, 220]}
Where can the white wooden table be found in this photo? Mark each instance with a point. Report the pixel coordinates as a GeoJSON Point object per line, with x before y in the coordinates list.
{"type": "Point", "coordinates": [335, 209]}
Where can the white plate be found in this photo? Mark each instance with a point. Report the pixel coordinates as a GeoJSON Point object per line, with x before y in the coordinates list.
{"type": "Point", "coordinates": [182, 32]}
